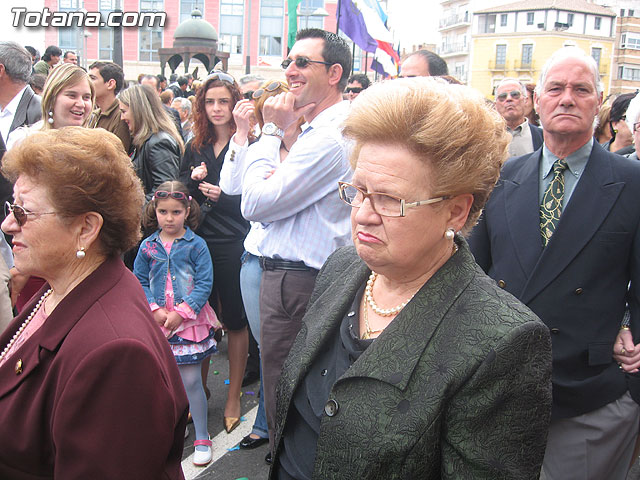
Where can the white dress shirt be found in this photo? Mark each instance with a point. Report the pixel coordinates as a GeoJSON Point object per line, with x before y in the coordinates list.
{"type": "Point", "coordinates": [303, 217]}
{"type": "Point", "coordinates": [8, 113]}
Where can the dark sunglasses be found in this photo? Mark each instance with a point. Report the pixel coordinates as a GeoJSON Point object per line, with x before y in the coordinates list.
{"type": "Point", "coordinates": [20, 214]}
{"type": "Point", "coordinates": [353, 89]}
{"type": "Point", "coordinates": [301, 62]}
{"type": "Point", "coordinates": [503, 96]}
{"type": "Point", "coordinates": [161, 194]}
{"type": "Point", "coordinates": [272, 87]}
{"type": "Point", "coordinates": [248, 95]}
{"type": "Point", "coordinates": [225, 77]}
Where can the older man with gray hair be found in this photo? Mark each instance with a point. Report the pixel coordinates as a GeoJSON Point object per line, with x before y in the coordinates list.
{"type": "Point", "coordinates": [561, 232]}
{"type": "Point", "coordinates": [511, 97]}
{"type": "Point", "coordinates": [183, 106]}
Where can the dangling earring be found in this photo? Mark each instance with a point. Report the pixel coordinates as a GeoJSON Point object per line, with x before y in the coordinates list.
{"type": "Point", "coordinates": [449, 234]}
{"type": "Point", "coordinates": [50, 119]}
{"type": "Point", "coordinates": [80, 253]}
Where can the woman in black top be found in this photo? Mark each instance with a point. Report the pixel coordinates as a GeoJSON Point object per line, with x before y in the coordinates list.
{"type": "Point", "coordinates": [222, 226]}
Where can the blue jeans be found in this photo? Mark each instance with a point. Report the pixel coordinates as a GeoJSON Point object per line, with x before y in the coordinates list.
{"type": "Point", "coordinates": [250, 277]}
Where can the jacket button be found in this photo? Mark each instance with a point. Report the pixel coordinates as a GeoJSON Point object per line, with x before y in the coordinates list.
{"type": "Point", "coordinates": [555, 330]}
{"type": "Point", "coordinates": [331, 408]}
{"type": "Point", "coordinates": [173, 278]}
{"type": "Point", "coordinates": [502, 283]}
{"type": "Point", "coordinates": [323, 372]}
{"type": "Point", "coordinates": [578, 291]}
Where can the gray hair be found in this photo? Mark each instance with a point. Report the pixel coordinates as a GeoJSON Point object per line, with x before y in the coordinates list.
{"type": "Point", "coordinates": [184, 104]}
{"type": "Point", "coordinates": [16, 60]}
{"type": "Point", "coordinates": [523, 89]}
{"type": "Point", "coordinates": [250, 78]}
{"type": "Point", "coordinates": [566, 53]}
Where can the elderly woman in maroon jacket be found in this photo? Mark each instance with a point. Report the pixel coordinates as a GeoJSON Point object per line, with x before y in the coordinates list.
{"type": "Point", "coordinates": [88, 385]}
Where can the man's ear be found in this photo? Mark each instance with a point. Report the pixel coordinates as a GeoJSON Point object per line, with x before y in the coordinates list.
{"type": "Point", "coordinates": [111, 84]}
{"type": "Point", "coordinates": [335, 74]}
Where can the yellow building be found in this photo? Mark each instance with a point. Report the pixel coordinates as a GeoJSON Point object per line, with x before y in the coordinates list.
{"type": "Point", "coordinates": [515, 40]}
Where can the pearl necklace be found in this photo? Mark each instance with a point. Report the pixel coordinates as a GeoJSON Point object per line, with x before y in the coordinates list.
{"type": "Point", "coordinates": [24, 324]}
{"type": "Point", "coordinates": [384, 312]}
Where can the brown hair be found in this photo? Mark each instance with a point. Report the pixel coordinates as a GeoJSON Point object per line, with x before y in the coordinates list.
{"type": "Point", "coordinates": [204, 132]}
{"type": "Point", "coordinates": [149, 219]}
{"type": "Point", "coordinates": [449, 127]}
{"type": "Point", "coordinates": [84, 170]}
{"type": "Point", "coordinates": [259, 103]}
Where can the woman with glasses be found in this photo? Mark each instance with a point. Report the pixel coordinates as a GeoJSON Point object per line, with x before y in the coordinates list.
{"type": "Point", "coordinates": [411, 362]}
{"type": "Point", "coordinates": [88, 385]}
{"type": "Point", "coordinates": [222, 225]}
{"type": "Point", "coordinates": [157, 144]}
{"type": "Point", "coordinates": [231, 176]}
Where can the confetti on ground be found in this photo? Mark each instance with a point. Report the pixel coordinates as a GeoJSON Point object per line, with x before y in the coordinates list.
{"type": "Point", "coordinates": [237, 447]}
{"type": "Point", "coordinates": [250, 393]}
{"type": "Point", "coordinates": [226, 382]}
{"type": "Point", "coordinates": [243, 478]}
{"type": "Point", "coordinates": [243, 419]}
{"type": "Point", "coordinates": [216, 372]}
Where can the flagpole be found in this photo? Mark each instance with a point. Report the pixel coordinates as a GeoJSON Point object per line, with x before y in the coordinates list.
{"type": "Point", "coordinates": [366, 61]}
{"type": "Point", "coordinates": [338, 18]}
{"type": "Point", "coordinates": [353, 57]}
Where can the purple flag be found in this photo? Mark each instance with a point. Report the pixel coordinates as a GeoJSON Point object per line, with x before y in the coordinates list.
{"type": "Point", "coordinates": [353, 25]}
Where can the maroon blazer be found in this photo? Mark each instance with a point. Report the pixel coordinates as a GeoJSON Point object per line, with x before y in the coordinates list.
{"type": "Point", "coordinates": [99, 395]}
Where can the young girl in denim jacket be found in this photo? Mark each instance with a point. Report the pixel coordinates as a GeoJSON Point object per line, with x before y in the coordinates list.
{"type": "Point", "coordinates": [174, 267]}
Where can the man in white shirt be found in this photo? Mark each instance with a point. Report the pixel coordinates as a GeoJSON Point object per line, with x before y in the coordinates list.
{"type": "Point", "coordinates": [298, 204]}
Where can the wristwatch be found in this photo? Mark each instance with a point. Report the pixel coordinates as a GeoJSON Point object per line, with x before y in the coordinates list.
{"type": "Point", "coordinates": [272, 129]}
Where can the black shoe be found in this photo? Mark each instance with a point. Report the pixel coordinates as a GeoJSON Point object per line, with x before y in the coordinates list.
{"type": "Point", "coordinates": [248, 443]}
{"type": "Point", "coordinates": [268, 459]}
{"type": "Point", "coordinates": [250, 378]}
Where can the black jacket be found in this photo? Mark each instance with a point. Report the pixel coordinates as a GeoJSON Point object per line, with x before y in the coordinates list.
{"type": "Point", "coordinates": [222, 221]}
{"type": "Point", "coordinates": [156, 161]}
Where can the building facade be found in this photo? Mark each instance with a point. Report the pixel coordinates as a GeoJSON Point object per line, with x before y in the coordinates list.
{"type": "Point", "coordinates": [515, 40]}
{"type": "Point", "coordinates": [626, 58]}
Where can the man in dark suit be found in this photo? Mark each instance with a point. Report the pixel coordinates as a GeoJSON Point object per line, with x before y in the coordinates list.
{"type": "Point", "coordinates": [560, 232]}
{"type": "Point", "coordinates": [511, 96]}
{"type": "Point", "coordinates": [18, 104]}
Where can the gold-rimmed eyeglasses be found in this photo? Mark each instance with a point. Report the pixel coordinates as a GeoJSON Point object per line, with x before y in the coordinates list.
{"type": "Point", "coordinates": [383, 204]}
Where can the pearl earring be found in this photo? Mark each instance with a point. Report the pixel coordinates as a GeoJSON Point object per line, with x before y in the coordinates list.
{"type": "Point", "coordinates": [449, 234]}
{"type": "Point", "coordinates": [50, 119]}
{"type": "Point", "coordinates": [80, 253]}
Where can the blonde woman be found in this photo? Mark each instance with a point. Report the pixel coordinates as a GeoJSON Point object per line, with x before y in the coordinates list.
{"type": "Point", "coordinates": [157, 143]}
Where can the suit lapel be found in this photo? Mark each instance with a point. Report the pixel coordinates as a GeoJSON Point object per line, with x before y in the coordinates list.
{"type": "Point", "coordinates": [592, 200]}
{"type": "Point", "coordinates": [522, 207]}
{"type": "Point", "coordinates": [20, 117]}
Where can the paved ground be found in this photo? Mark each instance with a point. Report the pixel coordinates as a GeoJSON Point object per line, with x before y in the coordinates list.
{"type": "Point", "coordinates": [234, 464]}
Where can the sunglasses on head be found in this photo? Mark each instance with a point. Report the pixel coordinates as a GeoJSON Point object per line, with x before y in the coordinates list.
{"type": "Point", "coordinates": [636, 127]}
{"type": "Point", "coordinates": [353, 89]}
{"type": "Point", "coordinates": [503, 96]}
{"type": "Point", "coordinates": [272, 87]}
{"type": "Point", "coordinates": [161, 194]}
{"type": "Point", "coordinates": [225, 77]}
{"type": "Point", "coordinates": [301, 62]}
{"type": "Point", "coordinates": [20, 214]}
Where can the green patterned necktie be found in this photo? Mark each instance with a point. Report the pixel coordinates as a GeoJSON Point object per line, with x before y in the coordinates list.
{"type": "Point", "coordinates": [551, 206]}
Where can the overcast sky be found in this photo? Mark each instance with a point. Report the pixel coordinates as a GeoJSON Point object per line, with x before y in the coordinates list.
{"type": "Point", "coordinates": [414, 21]}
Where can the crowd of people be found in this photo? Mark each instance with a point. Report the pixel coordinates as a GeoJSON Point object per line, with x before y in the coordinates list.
{"type": "Point", "coordinates": [428, 283]}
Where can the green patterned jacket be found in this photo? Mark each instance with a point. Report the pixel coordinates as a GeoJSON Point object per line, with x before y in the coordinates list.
{"type": "Point", "coordinates": [457, 386]}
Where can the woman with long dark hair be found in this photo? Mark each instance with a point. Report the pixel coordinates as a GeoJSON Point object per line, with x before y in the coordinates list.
{"type": "Point", "coordinates": [222, 226]}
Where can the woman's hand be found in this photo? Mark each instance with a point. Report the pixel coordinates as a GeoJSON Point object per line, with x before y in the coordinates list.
{"type": "Point", "coordinates": [625, 352]}
{"type": "Point", "coordinates": [209, 190]}
{"type": "Point", "coordinates": [160, 316]}
{"type": "Point", "coordinates": [199, 173]}
{"type": "Point", "coordinates": [242, 114]}
{"type": "Point", "coordinates": [174, 320]}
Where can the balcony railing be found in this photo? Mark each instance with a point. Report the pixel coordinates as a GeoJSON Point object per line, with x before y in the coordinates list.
{"type": "Point", "coordinates": [525, 66]}
{"type": "Point", "coordinates": [500, 67]}
{"type": "Point", "coordinates": [453, 48]}
{"type": "Point", "coordinates": [454, 20]}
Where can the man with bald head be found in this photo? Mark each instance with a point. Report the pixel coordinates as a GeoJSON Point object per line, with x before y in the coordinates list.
{"type": "Point", "coordinates": [423, 63]}
{"type": "Point", "coordinates": [511, 96]}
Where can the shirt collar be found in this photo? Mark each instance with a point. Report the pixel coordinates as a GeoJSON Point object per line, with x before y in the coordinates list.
{"type": "Point", "coordinates": [108, 111]}
{"type": "Point", "coordinates": [328, 115]}
{"type": "Point", "coordinates": [12, 106]}
{"type": "Point", "coordinates": [519, 128]}
{"type": "Point", "coordinates": [576, 162]}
